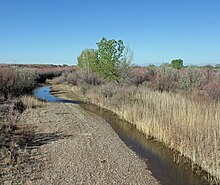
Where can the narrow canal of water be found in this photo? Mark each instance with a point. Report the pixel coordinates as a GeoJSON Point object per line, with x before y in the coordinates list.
{"type": "Point", "coordinates": [158, 158]}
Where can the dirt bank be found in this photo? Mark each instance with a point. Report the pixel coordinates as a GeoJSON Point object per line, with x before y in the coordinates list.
{"type": "Point", "coordinates": [81, 148]}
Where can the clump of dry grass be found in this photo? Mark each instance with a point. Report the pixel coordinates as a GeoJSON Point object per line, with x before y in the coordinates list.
{"type": "Point", "coordinates": [9, 150]}
{"type": "Point", "coordinates": [188, 126]}
{"type": "Point", "coordinates": [32, 102]}
{"type": "Point", "coordinates": [15, 157]}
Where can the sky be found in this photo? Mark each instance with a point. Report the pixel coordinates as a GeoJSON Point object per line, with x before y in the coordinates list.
{"type": "Point", "coordinates": [157, 31]}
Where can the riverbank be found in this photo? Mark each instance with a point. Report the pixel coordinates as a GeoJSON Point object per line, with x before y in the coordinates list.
{"type": "Point", "coordinates": [81, 148]}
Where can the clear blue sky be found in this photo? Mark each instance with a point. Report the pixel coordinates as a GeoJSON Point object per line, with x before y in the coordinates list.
{"type": "Point", "coordinates": [56, 31]}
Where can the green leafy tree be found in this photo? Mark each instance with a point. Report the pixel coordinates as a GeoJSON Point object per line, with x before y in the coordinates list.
{"type": "Point", "coordinates": [177, 63]}
{"type": "Point", "coordinates": [110, 57]}
{"type": "Point", "coordinates": [109, 61]}
{"type": "Point", "coordinates": [87, 60]}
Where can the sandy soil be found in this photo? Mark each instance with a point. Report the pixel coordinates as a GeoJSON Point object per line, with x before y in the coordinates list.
{"type": "Point", "coordinates": [81, 148]}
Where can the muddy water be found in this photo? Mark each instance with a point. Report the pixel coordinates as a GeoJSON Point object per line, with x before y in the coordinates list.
{"type": "Point", "coordinates": [158, 158]}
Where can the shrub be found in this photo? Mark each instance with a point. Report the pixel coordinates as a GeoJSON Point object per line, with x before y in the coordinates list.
{"type": "Point", "coordinates": [166, 79]}
{"type": "Point", "coordinates": [72, 78]}
{"type": "Point", "coordinates": [192, 79]}
{"type": "Point", "coordinates": [16, 81]}
{"type": "Point", "coordinates": [89, 78]}
{"type": "Point", "coordinates": [140, 75]}
{"type": "Point", "coordinates": [162, 82]}
{"type": "Point", "coordinates": [212, 89]}
{"type": "Point", "coordinates": [26, 80]}
{"type": "Point", "coordinates": [8, 79]}
{"type": "Point", "coordinates": [52, 72]}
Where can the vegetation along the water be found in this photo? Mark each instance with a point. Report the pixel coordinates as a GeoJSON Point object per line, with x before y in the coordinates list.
{"type": "Point", "coordinates": [175, 104]}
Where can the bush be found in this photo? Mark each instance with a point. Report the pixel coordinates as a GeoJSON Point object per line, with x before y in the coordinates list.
{"type": "Point", "coordinates": [72, 78]}
{"type": "Point", "coordinates": [166, 79]}
{"type": "Point", "coordinates": [26, 80]}
{"type": "Point", "coordinates": [8, 79]}
{"type": "Point", "coordinates": [52, 72]}
{"type": "Point", "coordinates": [90, 78]}
{"type": "Point", "coordinates": [192, 79]}
{"type": "Point", "coordinates": [143, 74]}
{"type": "Point", "coordinates": [162, 82]}
{"type": "Point", "coordinates": [212, 89]}
{"type": "Point", "coordinates": [16, 81]}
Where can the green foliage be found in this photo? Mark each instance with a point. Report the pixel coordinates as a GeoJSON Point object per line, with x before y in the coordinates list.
{"type": "Point", "coordinates": [110, 57]}
{"type": "Point", "coordinates": [109, 61]}
{"type": "Point", "coordinates": [87, 60]}
{"type": "Point", "coordinates": [177, 63]}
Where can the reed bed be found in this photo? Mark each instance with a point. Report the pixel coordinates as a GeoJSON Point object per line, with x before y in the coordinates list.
{"type": "Point", "coordinates": [190, 127]}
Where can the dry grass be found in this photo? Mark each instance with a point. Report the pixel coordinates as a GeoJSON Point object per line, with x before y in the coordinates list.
{"type": "Point", "coordinates": [10, 152]}
{"type": "Point", "coordinates": [188, 126]}
{"type": "Point", "coordinates": [32, 102]}
{"type": "Point", "coordinates": [17, 162]}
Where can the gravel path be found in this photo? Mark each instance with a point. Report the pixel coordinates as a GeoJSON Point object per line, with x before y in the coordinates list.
{"type": "Point", "coordinates": [81, 148]}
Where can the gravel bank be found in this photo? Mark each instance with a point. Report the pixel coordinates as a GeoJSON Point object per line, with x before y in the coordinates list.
{"type": "Point", "coordinates": [81, 148]}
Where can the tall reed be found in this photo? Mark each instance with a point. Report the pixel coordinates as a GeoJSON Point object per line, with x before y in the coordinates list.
{"type": "Point", "coordinates": [188, 126]}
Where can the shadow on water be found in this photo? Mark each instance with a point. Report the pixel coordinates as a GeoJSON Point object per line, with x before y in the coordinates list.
{"type": "Point", "coordinates": [159, 159]}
